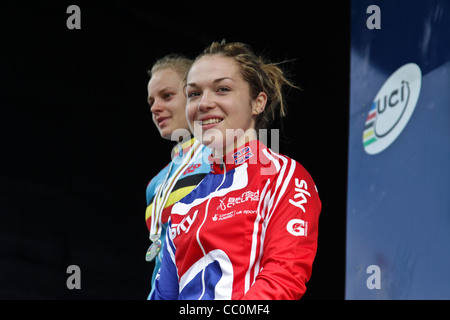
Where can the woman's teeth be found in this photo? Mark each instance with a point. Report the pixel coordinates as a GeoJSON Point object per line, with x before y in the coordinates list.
{"type": "Point", "coordinates": [209, 121]}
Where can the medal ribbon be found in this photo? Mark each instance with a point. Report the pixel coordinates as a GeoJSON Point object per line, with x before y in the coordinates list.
{"type": "Point", "coordinates": [165, 189]}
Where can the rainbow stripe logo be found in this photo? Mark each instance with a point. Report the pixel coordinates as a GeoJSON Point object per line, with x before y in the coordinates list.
{"type": "Point", "coordinates": [369, 130]}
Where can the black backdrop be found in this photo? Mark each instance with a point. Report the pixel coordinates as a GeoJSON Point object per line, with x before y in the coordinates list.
{"type": "Point", "coordinates": [78, 146]}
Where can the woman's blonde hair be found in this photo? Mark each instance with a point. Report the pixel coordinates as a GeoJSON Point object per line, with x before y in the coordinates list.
{"type": "Point", "coordinates": [261, 75]}
{"type": "Point", "coordinates": [179, 63]}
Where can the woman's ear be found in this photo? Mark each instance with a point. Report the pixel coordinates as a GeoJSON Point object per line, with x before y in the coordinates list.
{"type": "Point", "coordinates": [259, 103]}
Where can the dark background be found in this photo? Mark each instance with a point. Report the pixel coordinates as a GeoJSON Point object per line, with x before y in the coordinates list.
{"type": "Point", "coordinates": [78, 146]}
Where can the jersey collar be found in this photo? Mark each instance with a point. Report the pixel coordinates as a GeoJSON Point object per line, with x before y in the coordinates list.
{"type": "Point", "coordinates": [182, 147]}
{"type": "Point", "coordinates": [243, 154]}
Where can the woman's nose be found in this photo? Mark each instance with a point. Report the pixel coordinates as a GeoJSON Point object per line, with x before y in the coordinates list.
{"type": "Point", "coordinates": [206, 102]}
{"type": "Point", "coordinates": [157, 107]}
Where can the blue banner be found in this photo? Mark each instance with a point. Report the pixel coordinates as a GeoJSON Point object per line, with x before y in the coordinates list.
{"type": "Point", "coordinates": [398, 206]}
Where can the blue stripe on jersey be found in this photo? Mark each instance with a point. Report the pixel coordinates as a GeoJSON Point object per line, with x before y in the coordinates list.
{"type": "Point", "coordinates": [210, 182]}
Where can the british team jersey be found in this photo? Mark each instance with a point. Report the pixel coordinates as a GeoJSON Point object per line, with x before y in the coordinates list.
{"type": "Point", "coordinates": [247, 231]}
{"type": "Point", "coordinates": [188, 167]}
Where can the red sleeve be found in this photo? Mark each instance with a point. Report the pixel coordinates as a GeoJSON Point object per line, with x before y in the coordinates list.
{"type": "Point", "coordinates": [290, 242]}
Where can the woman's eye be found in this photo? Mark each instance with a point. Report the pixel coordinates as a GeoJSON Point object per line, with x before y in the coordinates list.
{"type": "Point", "coordinates": [167, 96]}
{"type": "Point", "coordinates": [193, 94]}
{"type": "Point", "coordinates": [223, 89]}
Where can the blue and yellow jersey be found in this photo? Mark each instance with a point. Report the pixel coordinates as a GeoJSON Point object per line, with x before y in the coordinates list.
{"type": "Point", "coordinates": [177, 179]}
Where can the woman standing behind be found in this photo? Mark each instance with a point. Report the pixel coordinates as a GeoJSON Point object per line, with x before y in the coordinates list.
{"type": "Point", "coordinates": [167, 103]}
{"type": "Point", "coordinates": [249, 230]}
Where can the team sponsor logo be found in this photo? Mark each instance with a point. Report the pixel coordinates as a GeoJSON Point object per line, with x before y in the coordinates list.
{"type": "Point", "coordinates": [301, 192]}
{"type": "Point", "coordinates": [392, 108]}
{"type": "Point", "coordinates": [192, 168]}
{"type": "Point", "coordinates": [229, 202]}
{"type": "Point", "coordinates": [183, 226]}
{"type": "Point", "coordinates": [232, 214]}
{"type": "Point", "coordinates": [297, 227]}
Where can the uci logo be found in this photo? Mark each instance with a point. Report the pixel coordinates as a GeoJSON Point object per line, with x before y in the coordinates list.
{"type": "Point", "coordinates": [392, 108]}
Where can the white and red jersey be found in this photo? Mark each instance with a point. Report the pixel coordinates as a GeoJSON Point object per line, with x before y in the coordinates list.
{"type": "Point", "coordinates": [247, 231]}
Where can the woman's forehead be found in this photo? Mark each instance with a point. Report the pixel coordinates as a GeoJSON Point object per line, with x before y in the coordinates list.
{"type": "Point", "coordinates": [162, 79]}
{"type": "Point", "coordinates": [213, 67]}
